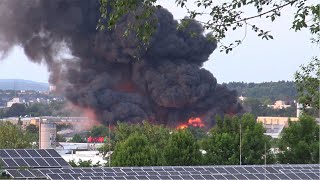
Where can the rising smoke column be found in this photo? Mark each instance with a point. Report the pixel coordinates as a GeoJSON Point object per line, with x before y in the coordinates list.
{"type": "Point", "coordinates": [167, 84]}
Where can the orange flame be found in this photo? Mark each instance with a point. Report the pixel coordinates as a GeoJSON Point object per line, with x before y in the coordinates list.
{"type": "Point", "coordinates": [195, 122]}
{"type": "Point", "coordinates": [182, 126]}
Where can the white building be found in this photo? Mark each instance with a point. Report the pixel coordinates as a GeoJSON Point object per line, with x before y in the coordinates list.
{"type": "Point", "coordinates": [94, 156]}
{"type": "Point", "coordinates": [14, 101]}
{"type": "Point", "coordinates": [279, 105]}
{"type": "Point", "coordinates": [82, 151]}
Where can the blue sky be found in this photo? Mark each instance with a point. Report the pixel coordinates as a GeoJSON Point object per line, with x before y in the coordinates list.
{"type": "Point", "coordinates": [255, 60]}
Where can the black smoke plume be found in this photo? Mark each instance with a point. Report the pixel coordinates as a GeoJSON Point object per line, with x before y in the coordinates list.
{"type": "Point", "coordinates": [166, 84]}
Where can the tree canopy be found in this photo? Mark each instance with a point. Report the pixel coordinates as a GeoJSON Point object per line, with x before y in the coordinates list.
{"type": "Point", "coordinates": [307, 81]}
{"type": "Point", "coordinates": [273, 91]}
{"type": "Point", "coordinates": [182, 149]}
{"type": "Point", "coordinates": [220, 18]}
{"type": "Point", "coordinates": [223, 143]}
{"type": "Point", "coordinates": [148, 144]}
{"type": "Point", "coordinates": [299, 143]}
{"type": "Point", "coordinates": [99, 131]}
{"type": "Point", "coordinates": [135, 151]}
{"type": "Point", "coordinates": [77, 138]}
{"type": "Point", "coordinates": [13, 137]}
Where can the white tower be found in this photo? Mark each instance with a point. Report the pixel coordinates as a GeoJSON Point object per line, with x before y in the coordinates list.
{"type": "Point", "coordinates": [47, 135]}
{"type": "Point", "coordinates": [299, 109]}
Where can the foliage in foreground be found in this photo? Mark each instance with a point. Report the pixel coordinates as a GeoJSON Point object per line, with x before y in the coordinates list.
{"type": "Point", "coordinates": [308, 84]}
{"type": "Point", "coordinates": [82, 163]}
{"type": "Point", "coordinates": [223, 143]}
{"type": "Point", "coordinates": [300, 142]}
{"type": "Point", "coordinates": [152, 145]}
{"type": "Point", "coordinates": [13, 137]}
{"type": "Point", "coordinates": [220, 17]}
{"type": "Point", "coordinates": [155, 145]}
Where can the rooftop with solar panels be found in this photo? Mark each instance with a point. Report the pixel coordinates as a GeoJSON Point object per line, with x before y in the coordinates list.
{"type": "Point", "coordinates": [48, 164]}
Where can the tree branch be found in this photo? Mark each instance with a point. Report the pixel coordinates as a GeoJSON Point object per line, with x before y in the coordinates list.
{"type": "Point", "coordinates": [259, 15]}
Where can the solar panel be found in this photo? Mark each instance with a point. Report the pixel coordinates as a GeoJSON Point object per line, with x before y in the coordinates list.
{"type": "Point", "coordinates": [292, 176]}
{"type": "Point", "coordinates": [21, 162]}
{"type": "Point", "coordinates": [31, 162]}
{"type": "Point", "coordinates": [53, 153]}
{"type": "Point", "coordinates": [10, 163]}
{"type": "Point", "coordinates": [42, 159]}
{"type": "Point", "coordinates": [313, 175]}
{"type": "Point", "coordinates": [218, 176]}
{"type": "Point", "coordinates": [241, 170]}
{"type": "Point", "coordinates": [271, 176]}
{"type": "Point", "coordinates": [14, 174]}
{"type": "Point", "coordinates": [3, 153]}
{"type": "Point", "coordinates": [54, 176]}
{"type": "Point", "coordinates": [142, 177]}
{"type": "Point", "coordinates": [110, 174]}
{"type": "Point", "coordinates": [173, 173]}
{"type": "Point", "coordinates": [271, 170]}
{"type": "Point", "coordinates": [240, 176]}
{"type": "Point", "coordinates": [221, 170]}
{"type": "Point", "coordinates": [33, 153]}
{"type": "Point", "coordinates": [37, 173]}
{"type": "Point", "coordinates": [250, 176]}
{"type": "Point", "coordinates": [41, 162]}
{"type": "Point", "coordinates": [231, 170]}
{"type": "Point", "coordinates": [260, 176]}
{"type": "Point", "coordinates": [229, 176]}
{"type": "Point", "coordinates": [43, 153]}
{"type": "Point", "coordinates": [98, 170]}
{"type": "Point", "coordinates": [251, 170]}
{"type": "Point", "coordinates": [302, 176]}
{"type": "Point", "coordinates": [66, 176]}
{"type": "Point", "coordinates": [56, 171]}
{"type": "Point", "coordinates": [45, 171]}
{"type": "Point", "coordinates": [51, 162]}
{"type": "Point", "coordinates": [12, 153]}
{"type": "Point", "coordinates": [25, 174]}
{"type": "Point", "coordinates": [34, 158]}
{"type": "Point", "coordinates": [99, 174]}
{"type": "Point", "coordinates": [207, 176]}
{"type": "Point", "coordinates": [23, 153]}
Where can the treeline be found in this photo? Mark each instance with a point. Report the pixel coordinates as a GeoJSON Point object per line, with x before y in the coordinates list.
{"type": "Point", "coordinates": [260, 108]}
{"type": "Point", "coordinates": [155, 145]}
{"type": "Point", "coordinates": [281, 90]}
{"type": "Point", "coordinates": [56, 108]}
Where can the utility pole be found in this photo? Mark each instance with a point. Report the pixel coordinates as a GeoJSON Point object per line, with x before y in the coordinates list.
{"type": "Point", "coordinates": [240, 145]}
{"type": "Point", "coordinates": [109, 146]}
{"type": "Point", "coordinates": [265, 159]}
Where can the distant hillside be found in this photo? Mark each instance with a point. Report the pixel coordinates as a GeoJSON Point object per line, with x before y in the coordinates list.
{"type": "Point", "coordinates": [20, 84]}
{"type": "Point", "coordinates": [281, 90]}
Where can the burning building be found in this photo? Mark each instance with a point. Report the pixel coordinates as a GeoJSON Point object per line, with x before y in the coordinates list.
{"type": "Point", "coordinates": [107, 73]}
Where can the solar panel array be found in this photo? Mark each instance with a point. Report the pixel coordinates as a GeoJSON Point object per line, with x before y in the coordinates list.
{"type": "Point", "coordinates": [31, 158]}
{"type": "Point", "coordinates": [311, 171]}
{"type": "Point", "coordinates": [48, 164]}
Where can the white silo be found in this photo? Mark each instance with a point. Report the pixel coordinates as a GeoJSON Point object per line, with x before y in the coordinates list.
{"type": "Point", "coordinates": [299, 109]}
{"type": "Point", "coordinates": [47, 135]}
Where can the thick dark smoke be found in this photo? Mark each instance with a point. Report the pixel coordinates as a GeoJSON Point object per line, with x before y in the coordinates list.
{"type": "Point", "coordinates": [166, 84]}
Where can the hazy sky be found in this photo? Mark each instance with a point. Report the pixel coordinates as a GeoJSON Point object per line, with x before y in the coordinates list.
{"type": "Point", "coordinates": [255, 60]}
